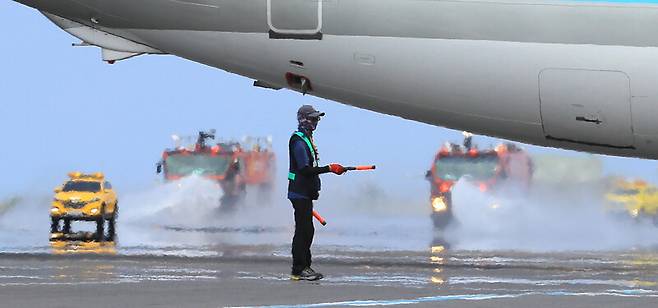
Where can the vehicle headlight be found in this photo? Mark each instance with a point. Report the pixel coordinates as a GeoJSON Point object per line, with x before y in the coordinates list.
{"type": "Point", "coordinates": [439, 205]}
{"type": "Point", "coordinates": [635, 213]}
{"type": "Point", "coordinates": [95, 199]}
{"type": "Point", "coordinates": [54, 210]}
{"type": "Point", "coordinates": [94, 211]}
{"type": "Point", "coordinates": [494, 206]}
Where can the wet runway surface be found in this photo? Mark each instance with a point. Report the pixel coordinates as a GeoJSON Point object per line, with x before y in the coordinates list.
{"type": "Point", "coordinates": [382, 257]}
{"type": "Point", "coordinates": [234, 275]}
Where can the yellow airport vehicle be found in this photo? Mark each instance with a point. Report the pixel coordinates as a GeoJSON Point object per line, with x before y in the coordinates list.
{"type": "Point", "coordinates": [84, 197]}
{"type": "Point", "coordinates": [83, 247]}
{"type": "Point", "coordinates": [637, 198]}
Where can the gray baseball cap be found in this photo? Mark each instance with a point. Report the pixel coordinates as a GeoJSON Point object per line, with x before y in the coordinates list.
{"type": "Point", "coordinates": [309, 111]}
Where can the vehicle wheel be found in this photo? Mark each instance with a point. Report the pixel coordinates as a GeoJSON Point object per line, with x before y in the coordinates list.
{"type": "Point", "coordinates": [111, 223]}
{"type": "Point", "coordinates": [441, 220]}
{"type": "Point", "coordinates": [228, 203]}
{"type": "Point", "coordinates": [54, 225]}
{"type": "Point", "coordinates": [67, 226]}
{"type": "Point", "coordinates": [100, 225]}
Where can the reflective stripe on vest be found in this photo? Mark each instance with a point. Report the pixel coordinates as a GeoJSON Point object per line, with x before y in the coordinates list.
{"type": "Point", "coordinates": [310, 146]}
{"type": "Point", "coordinates": [291, 175]}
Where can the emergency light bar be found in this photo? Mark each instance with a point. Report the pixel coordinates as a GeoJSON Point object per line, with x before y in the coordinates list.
{"type": "Point", "coordinates": [78, 175]}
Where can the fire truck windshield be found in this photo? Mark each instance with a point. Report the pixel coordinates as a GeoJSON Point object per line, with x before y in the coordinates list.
{"type": "Point", "coordinates": [202, 165]}
{"type": "Point", "coordinates": [87, 186]}
{"type": "Point", "coordinates": [452, 168]}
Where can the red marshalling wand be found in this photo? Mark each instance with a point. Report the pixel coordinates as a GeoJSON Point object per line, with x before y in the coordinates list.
{"type": "Point", "coordinates": [361, 168]}
{"type": "Point", "coordinates": [319, 218]}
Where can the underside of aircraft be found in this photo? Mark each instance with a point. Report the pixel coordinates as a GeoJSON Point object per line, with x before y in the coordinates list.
{"type": "Point", "coordinates": [579, 75]}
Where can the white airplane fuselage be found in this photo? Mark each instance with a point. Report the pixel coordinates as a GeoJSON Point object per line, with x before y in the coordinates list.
{"type": "Point", "coordinates": [579, 75]}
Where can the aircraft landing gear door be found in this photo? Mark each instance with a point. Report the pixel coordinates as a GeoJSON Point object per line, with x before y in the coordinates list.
{"type": "Point", "coordinates": [588, 107]}
{"type": "Point", "coordinates": [295, 19]}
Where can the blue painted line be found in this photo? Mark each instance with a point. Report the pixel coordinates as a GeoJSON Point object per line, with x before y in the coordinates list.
{"type": "Point", "coordinates": [617, 1]}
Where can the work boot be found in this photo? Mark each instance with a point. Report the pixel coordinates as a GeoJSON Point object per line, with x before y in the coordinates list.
{"type": "Point", "coordinates": [314, 272]}
{"type": "Point", "coordinates": [306, 274]}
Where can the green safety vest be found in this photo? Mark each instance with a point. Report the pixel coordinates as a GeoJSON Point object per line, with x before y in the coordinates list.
{"type": "Point", "coordinates": [292, 176]}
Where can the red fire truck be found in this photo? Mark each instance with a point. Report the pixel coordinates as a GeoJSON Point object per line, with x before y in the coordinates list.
{"type": "Point", "coordinates": [232, 167]}
{"type": "Point", "coordinates": [259, 165]}
{"type": "Point", "coordinates": [487, 169]}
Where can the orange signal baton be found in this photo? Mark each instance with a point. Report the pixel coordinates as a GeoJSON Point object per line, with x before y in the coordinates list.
{"type": "Point", "coordinates": [319, 218]}
{"type": "Point", "coordinates": [361, 168]}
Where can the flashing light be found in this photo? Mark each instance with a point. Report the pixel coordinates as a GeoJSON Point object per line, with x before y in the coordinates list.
{"type": "Point", "coordinates": [444, 150]}
{"type": "Point", "coordinates": [439, 205]}
{"type": "Point", "coordinates": [483, 187]}
{"type": "Point", "coordinates": [214, 149]}
{"type": "Point", "coordinates": [473, 152]}
{"type": "Point", "coordinates": [445, 187]}
{"type": "Point", "coordinates": [78, 174]}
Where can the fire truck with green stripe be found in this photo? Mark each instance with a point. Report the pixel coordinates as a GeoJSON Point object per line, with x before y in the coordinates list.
{"type": "Point", "coordinates": [234, 166]}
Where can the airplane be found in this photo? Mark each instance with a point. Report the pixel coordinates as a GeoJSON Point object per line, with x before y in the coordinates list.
{"type": "Point", "coordinates": [574, 74]}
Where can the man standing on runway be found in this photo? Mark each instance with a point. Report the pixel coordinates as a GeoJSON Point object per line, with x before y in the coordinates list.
{"type": "Point", "coordinates": [304, 188]}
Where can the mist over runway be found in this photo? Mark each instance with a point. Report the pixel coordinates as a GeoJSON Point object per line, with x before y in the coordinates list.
{"type": "Point", "coordinates": [174, 249]}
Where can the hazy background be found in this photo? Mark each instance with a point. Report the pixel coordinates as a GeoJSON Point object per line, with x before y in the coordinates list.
{"type": "Point", "coordinates": [63, 109]}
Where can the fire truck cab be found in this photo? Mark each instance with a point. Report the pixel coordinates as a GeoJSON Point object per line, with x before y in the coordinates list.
{"type": "Point", "coordinates": [486, 169]}
{"type": "Point", "coordinates": [228, 163]}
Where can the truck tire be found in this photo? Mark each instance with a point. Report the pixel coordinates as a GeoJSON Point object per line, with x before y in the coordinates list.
{"type": "Point", "coordinates": [228, 203]}
{"type": "Point", "coordinates": [100, 225]}
{"type": "Point", "coordinates": [111, 223]}
{"type": "Point", "coordinates": [67, 226]}
{"type": "Point", "coordinates": [54, 225]}
{"type": "Point", "coordinates": [442, 220]}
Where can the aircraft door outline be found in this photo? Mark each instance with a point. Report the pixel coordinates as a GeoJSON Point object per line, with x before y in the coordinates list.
{"type": "Point", "coordinates": [306, 32]}
{"type": "Point", "coordinates": [591, 107]}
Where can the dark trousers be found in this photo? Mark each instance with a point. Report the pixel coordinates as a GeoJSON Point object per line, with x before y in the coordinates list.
{"type": "Point", "coordinates": [304, 231]}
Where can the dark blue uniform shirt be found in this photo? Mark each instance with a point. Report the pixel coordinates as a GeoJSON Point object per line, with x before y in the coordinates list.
{"type": "Point", "coordinates": [302, 160]}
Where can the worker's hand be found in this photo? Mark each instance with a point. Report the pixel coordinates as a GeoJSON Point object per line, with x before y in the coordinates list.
{"type": "Point", "coordinates": [336, 169]}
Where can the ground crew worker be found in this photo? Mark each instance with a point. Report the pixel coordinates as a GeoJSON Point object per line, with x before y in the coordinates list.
{"type": "Point", "coordinates": [304, 188]}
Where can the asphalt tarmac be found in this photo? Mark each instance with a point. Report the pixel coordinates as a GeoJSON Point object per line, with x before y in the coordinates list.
{"type": "Point", "coordinates": [88, 275]}
{"type": "Point", "coordinates": [180, 253]}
